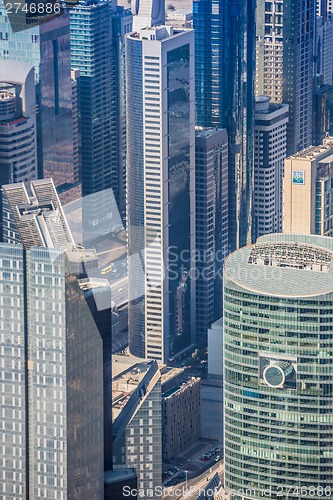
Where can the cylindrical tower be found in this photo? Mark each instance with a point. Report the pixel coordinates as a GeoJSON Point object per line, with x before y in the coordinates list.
{"type": "Point", "coordinates": [278, 372]}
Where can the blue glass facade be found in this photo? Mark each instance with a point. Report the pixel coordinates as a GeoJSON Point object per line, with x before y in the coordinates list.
{"type": "Point", "coordinates": [94, 52]}
{"type": "Point", "coordinates": [179, 166]}
{"type": "Point", "coordinates": [224, 43]}
{"type": "Point", "coordinates": [47, 48]}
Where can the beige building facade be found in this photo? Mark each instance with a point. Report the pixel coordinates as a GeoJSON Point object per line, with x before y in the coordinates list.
{"type": "Point", "coordinates": [308, 191]}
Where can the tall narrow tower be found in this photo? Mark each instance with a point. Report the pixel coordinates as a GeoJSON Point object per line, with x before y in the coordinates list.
{"type": "Point", "coordinates": [224, 69]}
{"type": "Point", "coordinates": [161, 198]}
{"type": "Point", "coordinates": [284, 51]}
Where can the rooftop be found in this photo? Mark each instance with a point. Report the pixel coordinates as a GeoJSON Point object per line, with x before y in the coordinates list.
{"type": "Point", "coordinates": [128, 373]}
{"type": "Point", "coordinates": [284, 265]}
{"type": "Point", "coordinates": [314, 152]}
{"type": "Point", "coordinates": [39, 217]}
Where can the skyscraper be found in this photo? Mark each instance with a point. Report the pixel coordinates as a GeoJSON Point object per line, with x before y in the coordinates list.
{"type": "Point", "coordinates": [122, 20]}
{"type": "Point", "coordinates": [278, 376]}
{"type": "Point", "coordinates": [93, 56]}
{"type": "Point", "coordinates": [324, 50]}
{"type": "Point", "coordinates": [308, 191]}
{"type": "Point", "coordinates": [160, 197]}
{"type": "Point", "coordinates": [284, 52]}
{"type": "Point", "coordinates": [51, 358]}
{"type": "Point", "coordinates": [224, 78]}
{"type": "Point", "coordinates": [270, 151]}
{"type": "Point", "coordinates": [211, 190]}
{"type": "Point", "coordinates": [97, 293]}
{"type": "Point", "coordinates": [47, 48]}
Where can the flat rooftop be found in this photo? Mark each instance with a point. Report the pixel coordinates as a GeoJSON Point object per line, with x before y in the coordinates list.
{"type": "Point", "coordinates": [127, 372]}
{"type": "Point", "coordinates": [313, 152]}
{"type": "Point", "coordinates": [284, 265]}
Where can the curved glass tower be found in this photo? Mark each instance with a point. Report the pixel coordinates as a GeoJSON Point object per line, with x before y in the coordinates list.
{"type": "Point", "coordinates": [278, 333]}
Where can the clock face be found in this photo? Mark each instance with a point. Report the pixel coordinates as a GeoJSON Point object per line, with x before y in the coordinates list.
{"type": "Point", "coordinates": [274, 376]}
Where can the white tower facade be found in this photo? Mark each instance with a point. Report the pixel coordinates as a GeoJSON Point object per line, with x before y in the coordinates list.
{"type": "Point", "coordinates": [161, 196]}
{"type": "Point", "coordinates": [270, 151]}
{"type": "Point", "coordinates": [147, 13]}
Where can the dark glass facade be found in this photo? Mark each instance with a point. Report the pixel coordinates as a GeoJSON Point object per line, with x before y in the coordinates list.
{"type": "Point", "coordinates": [179, 167]}
{"type": "Point", "coordinates": [135, 197]}
{"type": "Point", "coordinates": [99, 301]}
{"type": "Point", "coordinates": [92, 54]}
{"type": "Point", "coordinates": [47, 48]}
{"type": "Point", "coordinates": [121, 24]}
{"type": "Point", "coordinates": [224, 69]}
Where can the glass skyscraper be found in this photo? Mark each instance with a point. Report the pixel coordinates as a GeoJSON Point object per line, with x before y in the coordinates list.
{"type": "Point", "coordinates": [52, 380]}
{"type": "Point", "coordinates": [278, 368]}
{"type": "Point", "coordinates": [284, 67]}
{"type": "Point", "coordinates": [98, 55]}
{"type": "Point", "coordinates": [211, 173]}
{"type": "Point", "coordinates": [121, 24]}
{"type": "Point", "coordinates": [47, 48]}
{"type": "Point", "coordinates": [224, 69]}
{"type": "Point", "coordinates": [160, 197]}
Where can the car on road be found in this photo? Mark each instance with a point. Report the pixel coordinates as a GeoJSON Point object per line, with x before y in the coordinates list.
{"type": "Point", "coordinates": [217, 458]}
{"type": "Point", "coordinates": [108, 269]}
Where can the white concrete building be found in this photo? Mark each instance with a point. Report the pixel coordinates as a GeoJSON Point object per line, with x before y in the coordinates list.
{"type": "Point", "coordinates": [160, 192]}
{"type": "Point", "coordinates": [270, 150]}
{"type": "Point", "coordinates": [147, 13]}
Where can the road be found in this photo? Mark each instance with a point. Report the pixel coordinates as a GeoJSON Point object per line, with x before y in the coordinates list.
{"type": "Point", "coordinates": [191, 489]}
